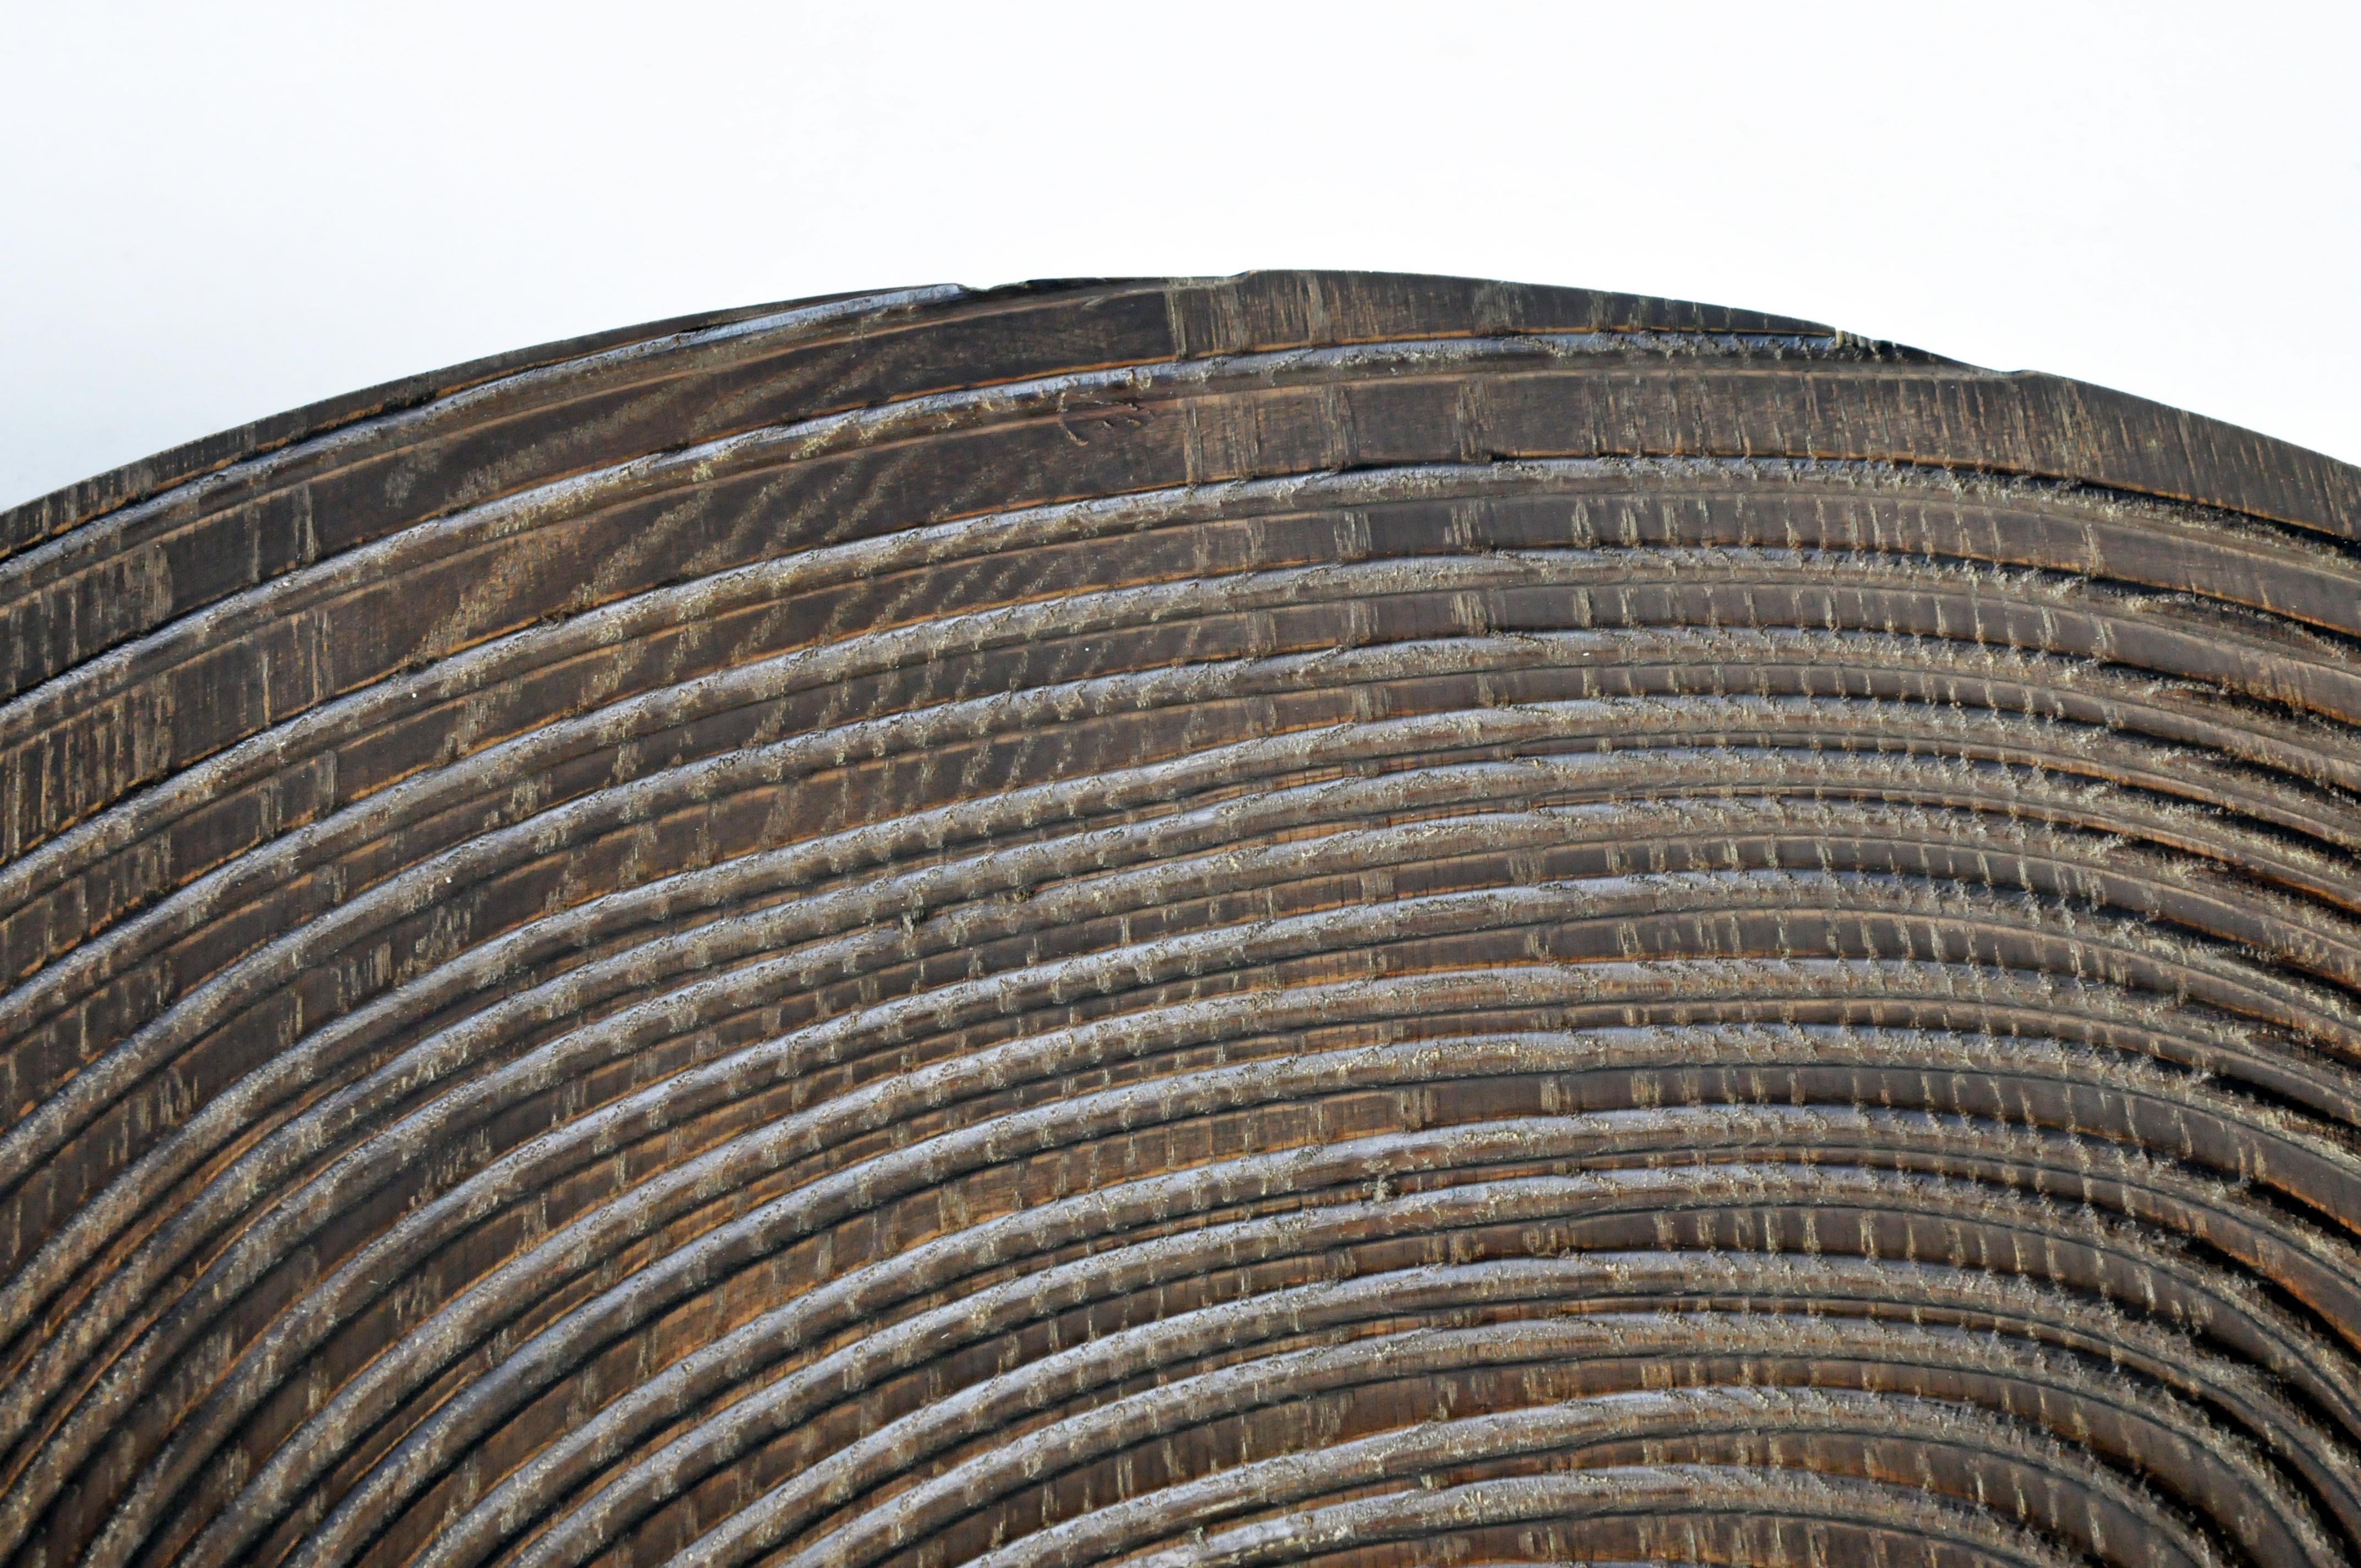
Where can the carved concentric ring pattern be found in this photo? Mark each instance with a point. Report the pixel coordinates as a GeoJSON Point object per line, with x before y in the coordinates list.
{"type": "Point", "coordinates": [1315, 919]}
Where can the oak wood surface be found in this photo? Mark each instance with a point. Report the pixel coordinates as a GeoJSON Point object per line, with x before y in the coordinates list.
{"type": "Point", "coordinates": [1310, 918]}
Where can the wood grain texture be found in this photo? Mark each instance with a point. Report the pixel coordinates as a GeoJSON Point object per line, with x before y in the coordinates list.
{"type": "Point", "coordinates": [1312, 919]}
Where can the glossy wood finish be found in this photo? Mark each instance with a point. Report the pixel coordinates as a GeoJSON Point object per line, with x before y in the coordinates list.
{"type": "Point", "coordinates": [1308, 918]}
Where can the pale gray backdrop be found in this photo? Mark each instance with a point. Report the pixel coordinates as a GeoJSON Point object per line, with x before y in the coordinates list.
{"type": "Point", "coordinates": [213, 212]}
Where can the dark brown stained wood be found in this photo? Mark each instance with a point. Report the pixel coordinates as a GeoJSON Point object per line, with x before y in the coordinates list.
{"type": "Point", "coordinates": [1312, 919]}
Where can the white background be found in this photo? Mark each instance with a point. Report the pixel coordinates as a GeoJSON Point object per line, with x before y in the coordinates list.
{"type": "Point", "coordinates": [213, 212]}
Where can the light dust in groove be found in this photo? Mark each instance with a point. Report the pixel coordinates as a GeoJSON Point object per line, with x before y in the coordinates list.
{"type": "Point", "coordinates": [1307, 918]}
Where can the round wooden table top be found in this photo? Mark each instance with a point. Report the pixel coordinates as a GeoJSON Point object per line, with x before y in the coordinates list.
{"type": "Point", "coordinates": [1313, 918]}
